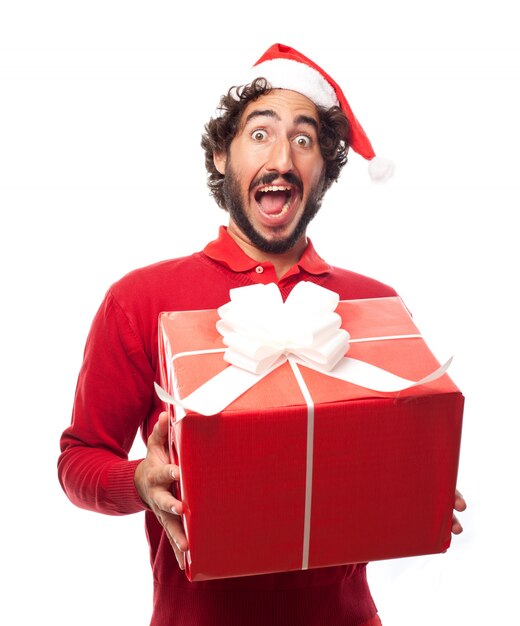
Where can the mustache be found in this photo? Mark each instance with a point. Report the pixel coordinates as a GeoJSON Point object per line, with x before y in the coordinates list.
{"type": "Point", "coordinates": [289, 178]}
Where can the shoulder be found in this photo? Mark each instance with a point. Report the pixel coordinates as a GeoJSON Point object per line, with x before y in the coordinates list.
{"type": "Point", "coordinates": [155, 274]}
{"type": "Point", "coordinates": [132, 304]}
{"type": "Point", "coordinates": [353, 286]}
{"type": "Point", "coordinates": [184, 283]}
{"type": "Point", "coordinates": [162, 284]}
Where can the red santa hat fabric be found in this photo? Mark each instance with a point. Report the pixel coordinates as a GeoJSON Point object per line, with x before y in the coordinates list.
{"type": "Point", "coordinates": [286, 68]}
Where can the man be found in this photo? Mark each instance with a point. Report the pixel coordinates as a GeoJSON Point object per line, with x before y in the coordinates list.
{"type": "Point", "coordinates": [277, 145]}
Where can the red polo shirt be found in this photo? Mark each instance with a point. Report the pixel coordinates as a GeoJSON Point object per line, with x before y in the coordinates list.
{"type": "Point", "coordinates": [115, 399]}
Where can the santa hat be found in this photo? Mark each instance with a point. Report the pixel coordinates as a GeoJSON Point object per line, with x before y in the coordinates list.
{"type": "Point", "coordinates": [286, 68]}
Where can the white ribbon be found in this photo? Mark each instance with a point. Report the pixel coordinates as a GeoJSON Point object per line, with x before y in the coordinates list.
{"type": "Point", "coordinates": [262, 332]}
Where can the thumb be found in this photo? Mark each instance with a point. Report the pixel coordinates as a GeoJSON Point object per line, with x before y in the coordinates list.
{"type": "Point", "coordinates": [159, 434]}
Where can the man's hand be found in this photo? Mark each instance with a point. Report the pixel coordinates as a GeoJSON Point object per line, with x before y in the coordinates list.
{"type": "Point", "coordinates": [153, 480]}
{"type": "Point", "coordinates": [459, 506]}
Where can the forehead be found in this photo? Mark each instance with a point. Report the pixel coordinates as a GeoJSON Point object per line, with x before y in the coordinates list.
{"type": "Point", "coordinates": [284, 104]}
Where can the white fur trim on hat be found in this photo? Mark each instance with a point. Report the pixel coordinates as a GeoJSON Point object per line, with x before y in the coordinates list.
{"type": "Point", "coordinates": [296, 76]}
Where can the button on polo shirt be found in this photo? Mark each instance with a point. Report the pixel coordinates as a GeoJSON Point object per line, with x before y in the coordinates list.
{"type": "Point", "coordinates": [227, 252]}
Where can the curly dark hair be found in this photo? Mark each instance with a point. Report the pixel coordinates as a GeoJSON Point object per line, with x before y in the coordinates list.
{"type": "Point", "coordinates": [334, 134]}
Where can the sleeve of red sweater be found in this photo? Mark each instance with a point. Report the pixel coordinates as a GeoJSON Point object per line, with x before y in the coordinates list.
{"type": "Point", "coordinates": [113, 398]}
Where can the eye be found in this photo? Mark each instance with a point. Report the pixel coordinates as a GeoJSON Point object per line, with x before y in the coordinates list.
{"type": "Point", "coordinates": [259, 135]}
{"type": "Point", "coordinates": [304, 141]}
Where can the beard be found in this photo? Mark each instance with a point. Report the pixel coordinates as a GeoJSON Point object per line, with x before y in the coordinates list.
{"type": "Point", "coordinates": [235, 207]}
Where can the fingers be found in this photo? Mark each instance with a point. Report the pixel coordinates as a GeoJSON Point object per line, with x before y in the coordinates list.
{"type": "Point", "coordinates": [161, 493]}
{"type": "Point", "coordinates": [156, 482]}
{"type": "Point", "coordinates": [175, 532]}
{"type": "Point", "coordinates": [460, 504]}
{"type": "Point", "coordinates": [456, 526]}
{"type": "Point", "coordinates": [168, 510]}
{"type": "Point", "coordinates": [154, 478]}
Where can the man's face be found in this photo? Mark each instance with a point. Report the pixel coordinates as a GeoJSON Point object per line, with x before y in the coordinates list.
{"type": "Point", "coordinates": [274, 171]}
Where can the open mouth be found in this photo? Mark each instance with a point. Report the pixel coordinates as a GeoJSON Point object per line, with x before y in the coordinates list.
{"type": "Point", "coordinates": [275, 201]}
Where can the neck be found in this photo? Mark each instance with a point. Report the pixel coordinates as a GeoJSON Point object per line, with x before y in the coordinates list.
{"type": "Point", "coordinates": [281, 262]}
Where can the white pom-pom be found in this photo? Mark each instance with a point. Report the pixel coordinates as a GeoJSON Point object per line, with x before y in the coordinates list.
{"type": "Point", "coordinates": [380, 169]}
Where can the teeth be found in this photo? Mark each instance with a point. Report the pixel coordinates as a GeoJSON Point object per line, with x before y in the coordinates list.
{"type": "Point", "coordinates": [275, 188]}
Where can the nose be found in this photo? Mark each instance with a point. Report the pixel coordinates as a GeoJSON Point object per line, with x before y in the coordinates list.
{"type": "Point", "coordinates": [280, 156]}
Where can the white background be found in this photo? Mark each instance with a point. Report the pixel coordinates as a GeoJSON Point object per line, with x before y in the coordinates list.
{"type": "Point", "coordinates": [102, 104]}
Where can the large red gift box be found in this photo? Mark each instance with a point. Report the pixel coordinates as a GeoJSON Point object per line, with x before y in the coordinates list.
{"type": "Point", "coordinates": [383, 466]}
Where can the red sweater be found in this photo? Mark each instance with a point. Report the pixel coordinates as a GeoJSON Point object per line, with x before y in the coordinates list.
{"type": "Point", "coordinates": [115, 398]}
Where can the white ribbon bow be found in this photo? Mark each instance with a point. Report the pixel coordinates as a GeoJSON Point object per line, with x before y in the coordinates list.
{"type": "Point", "coordinates": [261, 331]}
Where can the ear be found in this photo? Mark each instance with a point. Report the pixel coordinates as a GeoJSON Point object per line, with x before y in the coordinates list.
{"type": "Point", "coordinates": [219, 159]}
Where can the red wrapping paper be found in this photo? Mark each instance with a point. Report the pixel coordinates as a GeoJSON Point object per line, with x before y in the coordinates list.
{"type": "Point", "coordinates": [384, 464]}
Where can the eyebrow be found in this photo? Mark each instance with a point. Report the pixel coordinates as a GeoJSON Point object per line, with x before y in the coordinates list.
{"type": "Point", "coordinates": [306, 119]}
{"type": "Point", "coordinates": [300, 119]}
{"type": "Point", "coordinates": [261, 113]}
